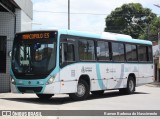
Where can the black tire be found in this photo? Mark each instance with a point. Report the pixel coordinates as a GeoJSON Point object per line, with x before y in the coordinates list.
{"type": "Point", "coordinates": [98, 93]}
{"type": "Point", "coordinates": [122, 91]}
{"type": "Point", "coordinates": [45, 96]}
{"type": "Point", "coordinates": [82, 91]}
{"type": "Point", "coordinates": [130, 86]}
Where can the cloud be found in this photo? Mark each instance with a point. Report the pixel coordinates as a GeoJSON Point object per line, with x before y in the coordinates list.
{"type": "Point", "coordinates": [84, 22]}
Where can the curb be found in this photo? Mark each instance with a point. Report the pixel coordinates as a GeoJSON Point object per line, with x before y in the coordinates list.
{"type": "Point", "coordinates": [154, 85]}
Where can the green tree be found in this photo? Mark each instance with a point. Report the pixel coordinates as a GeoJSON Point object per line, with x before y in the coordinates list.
{"type": "Point", "coordinates": [131, 19]}
{"type": "Point", "coordinates": [152, 30]}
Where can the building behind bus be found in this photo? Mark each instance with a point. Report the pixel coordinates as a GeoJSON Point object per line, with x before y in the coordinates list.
{"type": "Point", "coordinates": [15, 16]}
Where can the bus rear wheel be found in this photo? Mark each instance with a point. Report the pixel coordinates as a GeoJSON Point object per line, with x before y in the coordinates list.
{"type": "Point", "coordinates": [97, 93]}
{"type": "Point", "coordinates": [82, 91]}
{"type": "Point", "coordinates": [45, 96]}
{"type": "Point", "coordinates": [130, 86]}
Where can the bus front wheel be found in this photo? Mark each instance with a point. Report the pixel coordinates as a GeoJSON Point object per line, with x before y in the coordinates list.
{"type": "Point", "coordinates": [82, 91]}
{"type": "Point", "coordinates": [45, 96]}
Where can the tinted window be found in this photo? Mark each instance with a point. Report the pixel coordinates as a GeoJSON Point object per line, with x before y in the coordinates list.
{"type": "Point", "coordinates": [131, 52]}
{"type": "Point", "coordinates": [118, 51]}
{"type": "Point", "coordinates": [34, 58]}
{"type": "Point", "coordinates": [150, 57]}
{"type": "Point", "coordinates": [67, 52]}
{"type": "Point", "coordinates": [142, 54]}
{"type": "Point", "coordinates": [86, 50]}
{"type": "Point", "coordinates": [102, 50]}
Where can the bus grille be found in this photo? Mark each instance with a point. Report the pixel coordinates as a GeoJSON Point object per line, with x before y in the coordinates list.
{"type": "Point", "coordinates": [30, 89]}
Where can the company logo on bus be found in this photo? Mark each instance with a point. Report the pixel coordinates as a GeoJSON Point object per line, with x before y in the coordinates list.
{"type": "Point", "coordinates": [86, 69]}
{"type": "Point", "coordinates": [35, 36]}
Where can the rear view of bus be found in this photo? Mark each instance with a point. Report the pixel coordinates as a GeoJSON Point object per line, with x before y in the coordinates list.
{"type": "Point", "coordinates": [33, 62]}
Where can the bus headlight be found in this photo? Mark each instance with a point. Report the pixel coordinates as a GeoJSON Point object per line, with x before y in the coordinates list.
{"type": "Point", "coordinates": [50, 81]}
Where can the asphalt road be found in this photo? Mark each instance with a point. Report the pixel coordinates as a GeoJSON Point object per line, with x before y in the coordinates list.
{"type": "Point", "coordinates": [145, 98]}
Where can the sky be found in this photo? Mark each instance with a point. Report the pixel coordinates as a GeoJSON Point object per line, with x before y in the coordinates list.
{"type": "Point", "coordinates": [86, 15]}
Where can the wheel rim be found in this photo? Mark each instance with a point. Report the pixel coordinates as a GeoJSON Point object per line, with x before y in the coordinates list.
{"type": "Point", "coordinates": [131, 85]}
{"type": "Point", "coordinates": [80, 90]}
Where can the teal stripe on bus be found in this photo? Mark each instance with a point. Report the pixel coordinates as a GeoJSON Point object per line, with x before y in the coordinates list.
{"type": "Point", "coordinates": [100, 81]}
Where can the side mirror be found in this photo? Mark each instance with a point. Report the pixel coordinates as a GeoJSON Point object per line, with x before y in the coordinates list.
{"type": "Point", "coordinates": [10, 54]}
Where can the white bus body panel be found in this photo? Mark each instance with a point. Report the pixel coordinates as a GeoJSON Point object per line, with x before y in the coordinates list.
{"type": "Point", "coordinates": [70, 75]}
{"type": "Point", "coordinates": [130, 68]}
{"type": "Point", "coordinates": [146, 74]}
{"type": "Point", "coordinates": [104, 76]}
{"type": "Point", "coordinates": [53, 88]}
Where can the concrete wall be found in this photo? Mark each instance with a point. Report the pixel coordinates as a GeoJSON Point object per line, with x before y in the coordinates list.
{"type": "Point", "coordinates": [26, 22]}
{"type": "Point", "coordinates": [7, 21]}
{"type": "Point", "coordinates": [22, 20]}
{"type": "Point", "coordinates": [26, 6]}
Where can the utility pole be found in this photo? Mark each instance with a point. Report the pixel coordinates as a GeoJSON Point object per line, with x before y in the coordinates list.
{"type": "Point", "coordinates": [148, 31]}
{"type": "Point", "coordinates": [68, 14]}
{"type": "Point", "coordinates": [158, 67]}
{"type": "Point", "coordinates": [158, 28]}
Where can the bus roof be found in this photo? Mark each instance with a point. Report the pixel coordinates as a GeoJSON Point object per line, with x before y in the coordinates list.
{"type": "Point", "coordinates": [103, 35]}
{"type": "Point", "coordinates": [107, 36]}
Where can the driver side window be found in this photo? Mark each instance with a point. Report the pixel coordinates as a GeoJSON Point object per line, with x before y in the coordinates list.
{"type": "Point", "coordinates": [67, 54]}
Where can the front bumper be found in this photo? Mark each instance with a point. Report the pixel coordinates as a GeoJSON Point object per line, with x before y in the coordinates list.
{"type": "Point", "coordinates": [40, 89]}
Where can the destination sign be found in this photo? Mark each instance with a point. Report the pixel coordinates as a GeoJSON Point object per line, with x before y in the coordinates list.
{"type": "Point", "coordinates": [35, 36]}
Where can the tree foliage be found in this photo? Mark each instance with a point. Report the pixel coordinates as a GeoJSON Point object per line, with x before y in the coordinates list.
{"type": "Point", "coordinates": [152, 30]}
{"type": "Point", "coordinates": [131, 19]}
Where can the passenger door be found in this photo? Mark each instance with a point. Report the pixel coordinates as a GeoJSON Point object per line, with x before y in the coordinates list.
{"type": "Point", "coordinates": [67, 58]}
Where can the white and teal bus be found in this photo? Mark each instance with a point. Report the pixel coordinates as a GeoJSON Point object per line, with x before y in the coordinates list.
{"type": "Point", "coordinates": [77, 63]}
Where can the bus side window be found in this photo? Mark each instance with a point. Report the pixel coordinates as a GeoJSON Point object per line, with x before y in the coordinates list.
{"type": "Point", "coordinates": [103, 51]}
{"type": "Point", "coordinates": [118, 52]}
{"type": "Point", "coordinates": [131, 52]}
{"type": "Point", "coordinates": [142, 53]}
{"type": "Point", "coordinates": [66, 53]}
{"type": "Point", "coordinates": [149, 54]}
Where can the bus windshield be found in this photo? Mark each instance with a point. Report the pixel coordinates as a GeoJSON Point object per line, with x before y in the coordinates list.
{"type": "Point", "coordinates": [34, 54]}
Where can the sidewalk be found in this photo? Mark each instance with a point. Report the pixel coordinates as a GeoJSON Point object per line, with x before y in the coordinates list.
{"type": "Point", "coordinates": [154, 84]}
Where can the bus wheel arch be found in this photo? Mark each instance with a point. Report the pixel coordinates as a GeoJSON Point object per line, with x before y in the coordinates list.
{"type": "Point", "coordinates": [86, 78]}
{"type": "Point", "coordinates": [83, 89]}
{"type": "Point", "coordinates": [131, 84]}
